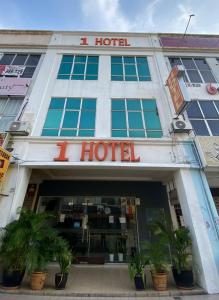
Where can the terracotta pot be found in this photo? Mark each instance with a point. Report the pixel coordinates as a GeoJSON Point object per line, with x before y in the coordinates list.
{"type": "Point", "coordinates": [37, 280]}
{"type": "Point", "coordinates": [159, 281]}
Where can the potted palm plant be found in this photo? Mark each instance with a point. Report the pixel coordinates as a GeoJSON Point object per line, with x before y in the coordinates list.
{"type": "Point", "coordinates": [180, 246]}
{"type": "Point", "coordinates": [136, 269]}
{"type": "Point", "coordinates": [13, 255]}
{"type": "Point", "coordinates": [64, 257]}
{"type": "Point", "coordinates": [157, 258]}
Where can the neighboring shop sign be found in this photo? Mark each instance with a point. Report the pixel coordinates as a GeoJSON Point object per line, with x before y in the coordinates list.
{"type": "Point", "coordinates": [210, 149]}
{"type": "Point", "coordinates": [177, 89]}
{"type": "Point", "coordinates": [14, 86]}
{"type": "Point", "coordinates": [123, 151]}
{"type": "Point", "coordinates": [101, 41]}
{"type": "Point", "coordinates": [11, 70]}
{"type": "Point", "coordinates": [4, 162]}
{"type": "Point", "coordinates": [212, 90]}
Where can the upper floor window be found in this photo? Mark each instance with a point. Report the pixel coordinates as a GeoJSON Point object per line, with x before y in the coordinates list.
{"type": "Point", "coordinates": [196, 69]}
{"type": "Point", "coordinates": [18, 65]}
{"type": "Point", "coordinates": [70, 117]}
{"type": "Point", "coordinates": [204, 117]}
{"type": "Point", "coordinates": [135, 118]}
{"type": "Point", "coordinates": [79, 67]}
{"type": "Point", "coordinates": [9, 109]}
{"type": "Point", "coordinates": [129, 68]}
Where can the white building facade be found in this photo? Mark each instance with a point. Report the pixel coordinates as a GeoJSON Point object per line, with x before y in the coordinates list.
{"type": "Point", "coordinates": [101, 152]}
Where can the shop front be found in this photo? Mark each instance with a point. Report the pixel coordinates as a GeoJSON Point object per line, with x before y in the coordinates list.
{"type": "Point", "coordinates": [105, 193]}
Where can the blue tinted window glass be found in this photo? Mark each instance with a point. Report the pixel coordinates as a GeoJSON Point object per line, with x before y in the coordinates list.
{"type": "Point", "coordinates": [154, 134]}
{"type": "Point", "coordinates": [194, 111]}
{"type": "Point", "coordinates": [117, 69]}
{"type": "Point", "coordinates": [130, 70]}
{"type": "Point", "coordinates": [91, 77]}
{"type": "Point", "coordinates": [131, 78]}
{"type": "Point", "coordinates": [144, 78]}
{"type": "Point", "coordinates": [118, 104]}
{"type": "Point", "coordinates": [86, 133]}
{"type": "Point", "coordinates": [53, 119]}
{"type": "Point", "coordinates": [57, 103]}
{"type": "Point", "coordinates": [73, 103]}
{"type": "Point", "coordinates": [87, 119]}
{"type": "Point", "coordinates": [135, 120]}
{"type": "Point", "coordinates": [217, 103]}
{"type": "Point", "coordinates": [50, 132]}
{"type": "Point", "coordinates": [70, 119]}
{"type": "Point", "coordinates": [214, 126]}
{"type": "Point", "coordinates": [116, 78]}
{"type": "Point", "coordinates": [116, 59]}
{"type": "Point", "coordinates": [63, 76]}
{"type": "Point", "coordinates": [136, 133]}
{"type": "Point", "coordinates": [93, 59]}
{"type": "Point", "coordinates": [68, 132]}
{"type": "Point", "coordinates": [119, 133]}
{"type": "Point", "coordinates": [129, 59]}
{"type": "Point", "coordinates": [141, 60]}
{"type": "Point", "coordinates": [152, 120]}
{"type": "Point", "coordinates": [80, 58]}
{"type": "Point", "coordinates": [92, 69]}
{"type": "Point", "coordinates": [77, 77]}
{"type": "Point", "coordinates": [118, 120]}
{"type": "Point", "coordinates": [199, 127]}
{"type": "Point", "coordinates": [149, 104]}
{"type": "Point", "coordinates": [79, 69]}
{"type": "Point", "coordinates": [133, 104]}
{"type": "Point", "coordinates": [208, 109]}
{"type": "Point", "coordinates": [143, 70]}
{"type": "Point", "coordinates": [65, 69]}
{"type": "Point", "coordinates": [67, 58]}
{"type": "Point", "coordinates": [89, 104]}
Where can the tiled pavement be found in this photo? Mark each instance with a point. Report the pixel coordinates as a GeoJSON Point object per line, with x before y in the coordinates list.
{"type": "Point", "coordinates": [100, 282]}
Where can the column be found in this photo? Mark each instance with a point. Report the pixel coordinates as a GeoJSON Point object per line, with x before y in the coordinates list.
{"type": "Point", "coordinates": [13, 193]}
{"type": "Point", "coordinates": [196, 202]}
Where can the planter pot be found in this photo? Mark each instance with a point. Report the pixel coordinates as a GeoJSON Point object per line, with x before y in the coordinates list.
{"type": "Point", "coordinates": [111, 257]}
{"type": "Point", "coordinates": [120, 257]}
{"type": "Point", "coordinates": [12, 279]}
{"type": "Point", "coordinates": [139, 282]}
{"type": "Point", "coordinates": [61, 280]}
{"type": "Point", "coordinates": [159, 281]}
{"type": "Point", "coordinates": [37, 280]}
{"type": "Point", "coordinates": [184, 279]}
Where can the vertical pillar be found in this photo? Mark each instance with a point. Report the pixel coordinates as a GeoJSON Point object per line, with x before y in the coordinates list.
{"type": "Point", "coordinates": [195, 199]}
{"type": "Point", "coordinates": [13, 193]}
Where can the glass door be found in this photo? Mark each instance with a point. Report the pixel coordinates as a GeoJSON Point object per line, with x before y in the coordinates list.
{"type": "Point", "coordinates": [99, 229]}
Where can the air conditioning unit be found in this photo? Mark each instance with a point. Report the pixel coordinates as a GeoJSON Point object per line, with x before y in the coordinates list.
{"type": "Point", "coordinates": [179, 125]}
{"type": "Point", "coordinates": [19, 128]}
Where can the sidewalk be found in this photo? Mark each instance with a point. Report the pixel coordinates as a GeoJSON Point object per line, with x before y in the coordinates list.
{"type": "Point", "coordinates": [31, 297]}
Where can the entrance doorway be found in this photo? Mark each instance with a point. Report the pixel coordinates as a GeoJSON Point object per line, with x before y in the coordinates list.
{"type": "Point", "coordinates": [99, 228]}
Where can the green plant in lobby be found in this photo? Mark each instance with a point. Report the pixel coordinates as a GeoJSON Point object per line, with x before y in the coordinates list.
{"type": "Point", "coordinates": [180, 247]}
{"type": "Point", "coordinates": [136, 269]}
{"type": "Point", "coordinates": [121, 249]}
{"type": "Point", "coordinates": [111, 249]}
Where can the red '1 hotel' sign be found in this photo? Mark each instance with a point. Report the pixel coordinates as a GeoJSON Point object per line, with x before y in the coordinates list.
{"type": "Point", "coordinates": [123, 151]}
{"type": "Point", "coordinates": [100, 41]}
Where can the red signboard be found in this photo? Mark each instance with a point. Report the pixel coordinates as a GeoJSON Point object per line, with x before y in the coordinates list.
{"type": "Point", "coordinates": [175, 89]}
{"type": "Point", "coordinates": [123, 151]}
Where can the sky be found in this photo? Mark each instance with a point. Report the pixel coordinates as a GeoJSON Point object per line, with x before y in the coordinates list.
{"type": "Point", "coordinates": [111, 15]}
